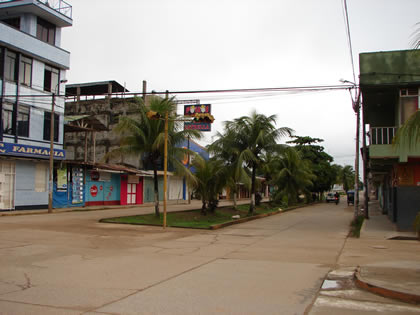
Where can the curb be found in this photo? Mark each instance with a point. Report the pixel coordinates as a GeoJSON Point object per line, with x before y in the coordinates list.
{"type": "Point", "coordinates": [243, 220]}
{"type": "Point", "coordinates": [380, 290]}
{"type": "Point", "coordinates": [259, 216]}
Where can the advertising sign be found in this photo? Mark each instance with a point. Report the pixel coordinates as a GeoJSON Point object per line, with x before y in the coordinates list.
{"type": "Point", "coordinates": [62, 179]}
{"type": "Point", "coordinates": [191, 110]}
{"type": "Point", "coordinates": [30, 151]}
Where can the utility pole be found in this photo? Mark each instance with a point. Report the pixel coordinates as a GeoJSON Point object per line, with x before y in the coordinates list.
{"type": "Point", "coordinates": [51, 170]}
{"type": "Point", "coordinates": [165, 165]}
{"type": "Point", "coordinates": [356, 107]}
{"type": "Point", "coordinates": [144, 92]}
{"type": "Point", "coordinates": [365, 172]}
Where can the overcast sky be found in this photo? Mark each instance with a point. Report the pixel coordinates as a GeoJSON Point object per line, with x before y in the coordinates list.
{"type": "Point", "coordinates": [184, 45]}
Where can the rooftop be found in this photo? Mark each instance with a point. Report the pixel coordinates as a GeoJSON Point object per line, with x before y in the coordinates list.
{"type": "Point", "coordinates": [42, 7]}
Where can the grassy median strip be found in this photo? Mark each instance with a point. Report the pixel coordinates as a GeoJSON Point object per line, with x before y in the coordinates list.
{"type": "Point", "coordinates": [194, 218]}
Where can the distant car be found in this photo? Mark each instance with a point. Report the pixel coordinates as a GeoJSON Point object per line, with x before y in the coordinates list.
{"type": "Point", "coordinates": [330, 197]}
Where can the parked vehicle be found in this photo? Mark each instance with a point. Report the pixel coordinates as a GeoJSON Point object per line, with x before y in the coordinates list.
{"type": "Point", "coordinates": [350, 197]}
{"type": "Point", "coordinates": [330, 197]}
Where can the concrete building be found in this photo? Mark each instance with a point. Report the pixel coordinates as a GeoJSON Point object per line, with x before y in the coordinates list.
{"type": "Point", "coordinates": [124, 180]}
{"type": "Point", "coordinates": [390, 86]}
{"type": "Point", "coordinates": [33, 68]}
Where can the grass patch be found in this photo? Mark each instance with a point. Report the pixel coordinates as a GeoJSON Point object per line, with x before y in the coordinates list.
{"type": "Point", "coordinates": [356, 225]}
{"type": "Point", "coordinates": [193, 218]}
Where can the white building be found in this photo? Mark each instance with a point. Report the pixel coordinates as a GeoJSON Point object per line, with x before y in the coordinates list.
{"type": "Point", "coordinates": [32, 70]}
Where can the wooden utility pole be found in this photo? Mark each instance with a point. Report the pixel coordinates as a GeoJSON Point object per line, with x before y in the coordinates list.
{"type": "Point", "coordinates": [165, 165]}
{"type": "Point", "coordinates": [365, 166]}
{"type": "Point", "coordinates": [51, 170]}
{"type": "Point", "coordinates": [356, 166]}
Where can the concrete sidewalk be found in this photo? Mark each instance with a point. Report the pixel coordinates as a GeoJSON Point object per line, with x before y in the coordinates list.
{"type": "Point", "coordinates": [380, 271]}
{"type": "Point", "coordinates": [172, 206]}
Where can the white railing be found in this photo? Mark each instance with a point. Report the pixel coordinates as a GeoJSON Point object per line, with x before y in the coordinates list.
{"type": "Point", "coordinates": [382, 135]}
{"type": "Point", "coordinates": [60, 6]}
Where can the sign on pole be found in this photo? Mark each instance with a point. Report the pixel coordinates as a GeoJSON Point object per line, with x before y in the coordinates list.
{"type": "Point", "coordinates": [191, 110]}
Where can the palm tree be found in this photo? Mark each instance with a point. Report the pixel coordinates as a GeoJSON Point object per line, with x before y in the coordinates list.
{"type": "Point", "coordinates": [144, 137]}
{"type": "Point", "coordinates": [415, 42]}
{"type": "Point", "coordinates": [210, 178]}
{"type": "Point", "coordinates": [408, 135]}
{"type": "Point", "coordinates": [225, 149]}
{"type": "Point", "coordinates": [254, 135]}
{"type": "Point", "coordinates": [346, 177]}
{"type": "Point", "coordinates": [294, 176]}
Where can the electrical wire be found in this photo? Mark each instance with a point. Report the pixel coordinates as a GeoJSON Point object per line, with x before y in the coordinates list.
{"type": "Point", "coordinates": [348, 35]}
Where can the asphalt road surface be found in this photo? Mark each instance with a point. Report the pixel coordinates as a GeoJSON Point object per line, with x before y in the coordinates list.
{"type": "Point", "coordinates": [68, 263]}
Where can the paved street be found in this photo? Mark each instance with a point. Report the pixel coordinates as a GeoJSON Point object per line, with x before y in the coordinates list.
{"type": "Point", "coordinates": [68, 263]}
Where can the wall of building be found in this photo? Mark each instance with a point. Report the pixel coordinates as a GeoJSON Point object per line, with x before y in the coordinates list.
{"type": "Point", "coordinates": [102, 192]}
{"type": "Point", "coordinates": [408, 205]}
{"type": "Point", "coordinates": [149, 190]}
{"type": "Point", "coordinates": [25, 195]}
{"type": "Point", "coordinates": [107, 112]}
{"type": "Point", "coordinates": [175, 188]}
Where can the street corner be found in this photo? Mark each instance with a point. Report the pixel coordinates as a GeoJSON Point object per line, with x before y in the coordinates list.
{"type": "Point", "coordinates": [396, 281]}
{"type": "Point", "coordinates": [340, 294]}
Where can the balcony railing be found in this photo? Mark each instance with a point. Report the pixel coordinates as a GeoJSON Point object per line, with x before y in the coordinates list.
{"type": "Point", "coordinates": [382, 135]}
{"type": "Point", "coordinates": [60, 6]}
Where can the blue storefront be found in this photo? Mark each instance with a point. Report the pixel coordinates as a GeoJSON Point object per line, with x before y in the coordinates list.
{"type": "Point", "coordinates": [24, 175]}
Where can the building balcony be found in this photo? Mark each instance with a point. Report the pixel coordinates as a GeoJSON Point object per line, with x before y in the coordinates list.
{"type": "Point", "coordinates": [381, 145]}
{"type": "Point", "coordinates": [32, 46]}
{"type": "Point", "coordinates": [58, 12]}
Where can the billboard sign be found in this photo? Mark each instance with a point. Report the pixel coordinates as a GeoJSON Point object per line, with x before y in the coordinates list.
{"type": "Point", "coordinates": [191, 110]}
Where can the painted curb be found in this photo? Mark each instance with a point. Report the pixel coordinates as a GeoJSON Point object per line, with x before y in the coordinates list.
{"type": "Point", "coordinates": [371, 286]}
{"type": "Point", "coordinates": [243, 220]}
{"type": "Point", "coordinates": [259, 216]}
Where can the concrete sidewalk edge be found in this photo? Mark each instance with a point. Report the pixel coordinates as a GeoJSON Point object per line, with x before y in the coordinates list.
{"type": "Point", "coordinates": [379, 289]}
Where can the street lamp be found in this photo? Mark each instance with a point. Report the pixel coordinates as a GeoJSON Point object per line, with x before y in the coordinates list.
{"type": "Point", "coordinates": [51, 169]}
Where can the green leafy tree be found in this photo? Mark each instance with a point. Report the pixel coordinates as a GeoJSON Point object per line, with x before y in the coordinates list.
{"type": "Point", "coordinates": [415, 42]}
{"type": "Point", "coordinates": [254, 135]}
{"type": "Point", "coordinates": [408, 135]}
{"type": "Point", "coordinates": [346, 177]}
{"type": "Point", "coordinates": [293, 177]}
{"type": "Point", "coordinates": [145, 138]}
{"type": "Point", "coordinates": [225, 148]}
{"type": "Point", "coordinates": [210, 179]}
{"type": "Point", "coordinates": [322, 168]}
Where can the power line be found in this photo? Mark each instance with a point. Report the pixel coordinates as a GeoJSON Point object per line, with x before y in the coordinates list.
{"type": "Point", "coordinates": [296, 89]}
{"type": "Point", "coordinates": [346, 20]}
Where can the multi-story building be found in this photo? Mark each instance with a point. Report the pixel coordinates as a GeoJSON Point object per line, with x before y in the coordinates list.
{"type": "Point", "coordinates": [390, 85]}
{"type": "Point", "coordinates": [32, 72]}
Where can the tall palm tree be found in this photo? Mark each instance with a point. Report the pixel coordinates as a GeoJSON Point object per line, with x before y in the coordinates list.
{"type": "Point", "coordinates": [145, 138]}
{"type": "Point", "coordinates": [415, 42]}
{"type": "Point", "coordinates": [210, 178]}
{"type": "Point", "coordinates": [294, 176]}
{"type": "Point", "coordinates": [346, 176]}
{"type": "Point", "coordinates": [254, 135]}
{"type": "Point", "coordinates": [225, 148]}
{"type": "Point", "coordinates": [408, 135]}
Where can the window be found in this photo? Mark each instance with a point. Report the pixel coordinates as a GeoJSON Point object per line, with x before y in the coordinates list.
{"type": "Point", "coordinates": [23, 121]}
{"type": "Point", "coordinates": [8, 110]}
{"type": "Point", "coordinates": [41, 171]}
{"type": "Point", "coordinates": [25, 75]}
{"type": "Point", "coordinates": [45, 31]}
{"type": "Point", "coordinates": [47, 126]}
{"type": "Point", "coordinates": [13, 22]}
{"type": "Point", "coordinates": [10, 66]}
{"type": "Point", "coordinates": [51, 78]}
{"type": "Point", "coordinates": [409, 103]}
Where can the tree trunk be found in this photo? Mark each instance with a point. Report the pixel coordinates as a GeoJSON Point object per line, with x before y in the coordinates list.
{"type": "Point", "coordinates": [156, 184]}
{"type": "Point", "coordinates": [235, 205]}
{"type": "Point", "coordinates": [252, 204]}
{"type": "Point", "coordinates": [204, 208]}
